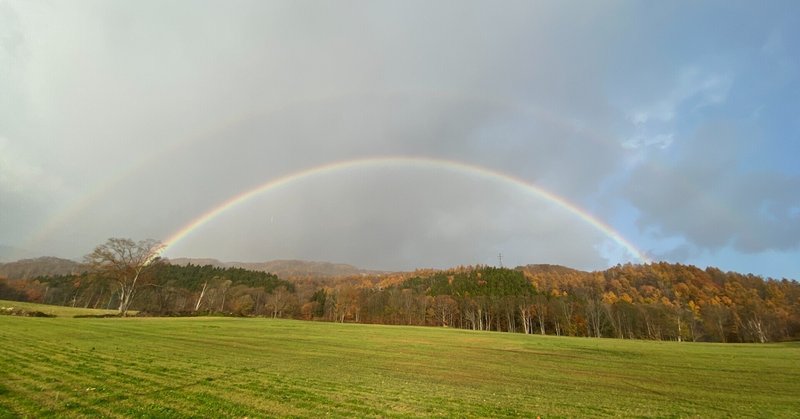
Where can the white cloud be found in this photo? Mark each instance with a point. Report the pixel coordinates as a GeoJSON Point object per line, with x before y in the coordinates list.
{"type": "Point", "coordinates": [692, 87]}
{"type": "Point", "coordinates": [661, 141]}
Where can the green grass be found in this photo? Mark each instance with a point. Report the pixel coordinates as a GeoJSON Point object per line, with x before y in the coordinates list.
{"type": "Point", "coordinates": [58, 311]}
{"type": "Point", "coordinates": [234, 367]}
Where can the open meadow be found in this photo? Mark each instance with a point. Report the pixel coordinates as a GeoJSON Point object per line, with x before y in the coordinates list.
{"type": "Point", "coordinates": [57, 311]}
{"type": "Point", "coordinates": [250, 367]}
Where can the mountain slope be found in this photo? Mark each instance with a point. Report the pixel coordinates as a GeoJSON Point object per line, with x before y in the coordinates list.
{"type": "Point", "coordinates": [43, 266]}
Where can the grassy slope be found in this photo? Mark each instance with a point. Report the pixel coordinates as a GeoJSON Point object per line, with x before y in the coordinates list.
{"type": "Point", "coordinates": [59, 311]}
{"type": "Point", "coordinates": [229, 367]}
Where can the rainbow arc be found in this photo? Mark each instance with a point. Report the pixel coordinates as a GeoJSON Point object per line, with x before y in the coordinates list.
{"type": "Point", "coordinates": [403, 162]}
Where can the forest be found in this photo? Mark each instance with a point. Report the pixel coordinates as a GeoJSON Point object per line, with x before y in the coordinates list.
{"type": "Point", "coordinates": [658, 301]}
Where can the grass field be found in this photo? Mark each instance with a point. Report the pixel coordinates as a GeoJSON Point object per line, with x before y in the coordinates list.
{"type": "Point", "coordinates": [59, 311]}
{"type": "Point", "coordinates": [234, 367]}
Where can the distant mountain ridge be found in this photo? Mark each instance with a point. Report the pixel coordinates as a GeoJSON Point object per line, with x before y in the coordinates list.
{"type": "Point", "coordinates": [289, 269]}
{"type": "Point", "coordinates": [48, 266]}
{"type": "Point", "coordinates": [42, 266]}
{"type": "Point", "coordinates": [285, 268]}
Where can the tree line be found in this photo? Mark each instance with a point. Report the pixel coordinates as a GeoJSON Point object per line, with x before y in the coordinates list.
{"type": "Point", "coordinates": [658, 301]}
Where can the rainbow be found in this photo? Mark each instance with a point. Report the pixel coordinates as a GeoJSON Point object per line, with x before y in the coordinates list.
{"type": "Point", "coordinates": [418, 162]}
{"type": "Point", "coordinates": [95, 194]}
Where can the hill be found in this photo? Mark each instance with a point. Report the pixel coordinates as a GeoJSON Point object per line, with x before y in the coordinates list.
{"type": "Point", "coordinates": [549, 269]}
{"type": "Point", "coordinates": [289, 269]}
{"type": "Point", "coordinates": [42, 266]}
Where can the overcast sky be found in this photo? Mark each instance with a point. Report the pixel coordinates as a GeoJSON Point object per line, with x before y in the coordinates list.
{"type": "Point", "coordinates": [677, 124]}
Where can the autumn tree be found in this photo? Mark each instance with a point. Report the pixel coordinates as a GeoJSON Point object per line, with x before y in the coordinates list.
{"type": "Point", "coordinates": [278, 301]}
{"type": "Point", "coordinates": [444, 308]}
{"type": "Point", "coordinates": [126, 264]}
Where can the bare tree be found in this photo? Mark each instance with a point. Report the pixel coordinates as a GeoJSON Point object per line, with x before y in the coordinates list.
{"type": "Point", "coordinates": [200, 299]}
{"type": "Point", "coordinates": [126, 263]}
{"type": "Point", "coordinates": [277, 301]}
{"type": "Point", "coordinates": [444, 307]}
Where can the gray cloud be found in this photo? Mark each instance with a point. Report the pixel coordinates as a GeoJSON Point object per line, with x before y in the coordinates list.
{"type": "Point", "coordinates": [132, 118]}
{"type": "Point", "coordinates": [399, 217]}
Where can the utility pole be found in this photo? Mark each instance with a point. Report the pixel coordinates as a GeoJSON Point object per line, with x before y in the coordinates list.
{"type": "Point", "coordinates": [500, 259]}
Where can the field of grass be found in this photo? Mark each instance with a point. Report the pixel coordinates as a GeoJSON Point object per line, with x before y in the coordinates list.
{"type": "Point", "coordinates": [58, 311]}
{"type": "Point", "coordinates": [237, 367]}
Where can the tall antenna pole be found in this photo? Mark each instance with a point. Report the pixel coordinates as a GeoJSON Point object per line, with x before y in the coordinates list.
{"type": "Point", "coordinates": [500, 259]}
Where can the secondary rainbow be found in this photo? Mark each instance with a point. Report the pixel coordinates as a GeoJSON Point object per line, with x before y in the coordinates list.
{"type": "Point", "coordinates": [419, 162]}
{"type": "Point", "coordinates": [107, 184]}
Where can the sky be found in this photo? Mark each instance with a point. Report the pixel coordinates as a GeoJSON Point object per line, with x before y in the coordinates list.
{"type": "Point", "coordinates": [578, 133]}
